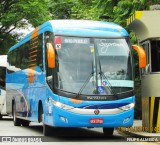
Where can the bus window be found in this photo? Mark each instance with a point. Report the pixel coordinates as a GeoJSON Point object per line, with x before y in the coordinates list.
{"type": "Point", "coordinates": [155, 56]}
{"type": "Point", "coordinates": [40, 54]}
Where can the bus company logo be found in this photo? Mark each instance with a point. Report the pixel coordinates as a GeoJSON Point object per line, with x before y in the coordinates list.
{"type": "Point", "coordinates": [58, 46]}
{"type": "Point", "coordinates": [96, 112]}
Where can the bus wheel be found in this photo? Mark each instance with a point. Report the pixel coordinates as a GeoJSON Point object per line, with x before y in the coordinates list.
{"type": "Point", "coordinates": [0, 116]}
{"type": "Point", "coordinates": [25, 123]}
{"type": "Point", "coordinates": [40, 113]}
{"type": "Point", "coordinates": [16, 121]}
{"type": "Point", "coordinates": [108, 131]}
{"type": "Point", "coordinates": [46, 130]}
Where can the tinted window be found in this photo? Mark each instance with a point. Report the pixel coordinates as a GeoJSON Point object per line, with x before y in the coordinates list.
{"type": "Point", "coordinates": [2, 77]}
{"type": "Point", "coordinates": [27, 55]}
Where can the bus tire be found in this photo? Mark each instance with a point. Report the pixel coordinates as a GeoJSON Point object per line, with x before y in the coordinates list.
{"type": "Point", "coordinates": [108, 131]}
{"type": "Point", "coordinates": [40, 112]}
{"type": "Point", "coordinates": [16, 121]}
{"type": "Point", "coordinates": [25, 123]}
{"type": "Point", "coordinates": [46, 130]}
{"type": "Point", "coordinates": [0, 116]}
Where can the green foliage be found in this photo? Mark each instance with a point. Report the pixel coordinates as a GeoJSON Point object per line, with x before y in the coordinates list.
{"type": "Point", "coordinates": [5, 42]}
{"type": "Point", "coordinates": [74, 9]}
{"type": "Point", "coordinates": [61, 9]}
{"type": "Point", "coordinates": [85, 10]}
{"type": "Point", "coordinates": [35, 11]}
{"type": "Point", "coordinates": [16, 14]}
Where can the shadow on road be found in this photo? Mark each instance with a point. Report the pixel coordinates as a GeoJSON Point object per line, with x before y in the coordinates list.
{"type": "Point", "coordinates": [6, 119]}
{"type": "Point", "coordinates": [68, 134]}
{"type": "Point", "coordinates": [76, 135]}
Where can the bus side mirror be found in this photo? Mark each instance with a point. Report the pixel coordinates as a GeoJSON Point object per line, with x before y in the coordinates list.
{"type": "Point", "coordinates": [50, 55]}
{"type": "Point", "coordinates": [141, 54]}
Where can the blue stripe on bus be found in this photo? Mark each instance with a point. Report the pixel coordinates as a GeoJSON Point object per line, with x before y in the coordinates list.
{"type": "Point", "coordinates": [105, 106]}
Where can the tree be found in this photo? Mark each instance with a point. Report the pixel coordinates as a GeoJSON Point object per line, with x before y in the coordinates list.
{"type": "Point", "coordinates": [16, 14]}
{"type": "Point", "coordinates": [85, 9]}
{"type": "Point", "coordinates": [74, 9]}
{"type": "Point", "coordinates": [119, 11]}
{"type": "Point", "coordinates": [61, 9]}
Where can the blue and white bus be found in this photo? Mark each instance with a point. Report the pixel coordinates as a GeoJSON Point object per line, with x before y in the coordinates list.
{"type": "Point", "coordinates": [72, 73]}
{"type": "Point", "coordinates": [3, 65]}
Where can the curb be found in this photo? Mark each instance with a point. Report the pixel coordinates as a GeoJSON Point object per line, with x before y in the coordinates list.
{"type": "Point", "coordinates": [136, 133]}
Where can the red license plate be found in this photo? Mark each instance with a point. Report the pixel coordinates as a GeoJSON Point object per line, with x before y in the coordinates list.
{"type": "Point", "coordinates": [96, 120]}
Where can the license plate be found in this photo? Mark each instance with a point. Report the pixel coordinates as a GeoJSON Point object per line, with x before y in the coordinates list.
{"type": "Point", "coordinates": [96, 120]}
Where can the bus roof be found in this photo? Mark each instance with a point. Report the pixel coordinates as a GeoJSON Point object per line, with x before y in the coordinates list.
{"type": "Point", "coordinates": [3, 60]}
{"type": "Point", "coordinates": [81, 28]}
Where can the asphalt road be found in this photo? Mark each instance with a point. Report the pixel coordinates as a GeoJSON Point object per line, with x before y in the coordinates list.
{"type": "Point", "coordinates": [67, 136]}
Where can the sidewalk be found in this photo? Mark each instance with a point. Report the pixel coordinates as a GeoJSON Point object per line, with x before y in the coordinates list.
{"type": "Point", "coordinates": [136, 130]}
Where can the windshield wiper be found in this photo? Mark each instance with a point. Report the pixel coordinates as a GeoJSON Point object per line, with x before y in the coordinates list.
{"type": "Point", "coordinates": [84, 85]}
{"type": "Point", "coordinates": [111, 89]}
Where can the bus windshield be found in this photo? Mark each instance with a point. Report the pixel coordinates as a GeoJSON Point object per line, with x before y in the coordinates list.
{"type": "Point", "coordinates": [80, 61]}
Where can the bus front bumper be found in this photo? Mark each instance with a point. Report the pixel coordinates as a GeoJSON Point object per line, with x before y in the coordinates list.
{"type": "Point", "coordinates": [60, 117]}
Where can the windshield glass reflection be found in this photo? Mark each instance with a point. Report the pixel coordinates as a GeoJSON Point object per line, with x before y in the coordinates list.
{"type": "Point", "coordinates": [78, 58]}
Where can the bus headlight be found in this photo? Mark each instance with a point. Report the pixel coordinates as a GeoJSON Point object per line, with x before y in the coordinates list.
{"type": "Point", "coordinates": [60, 105]}
{"type": "Point", "coordinates": [127, 107]}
